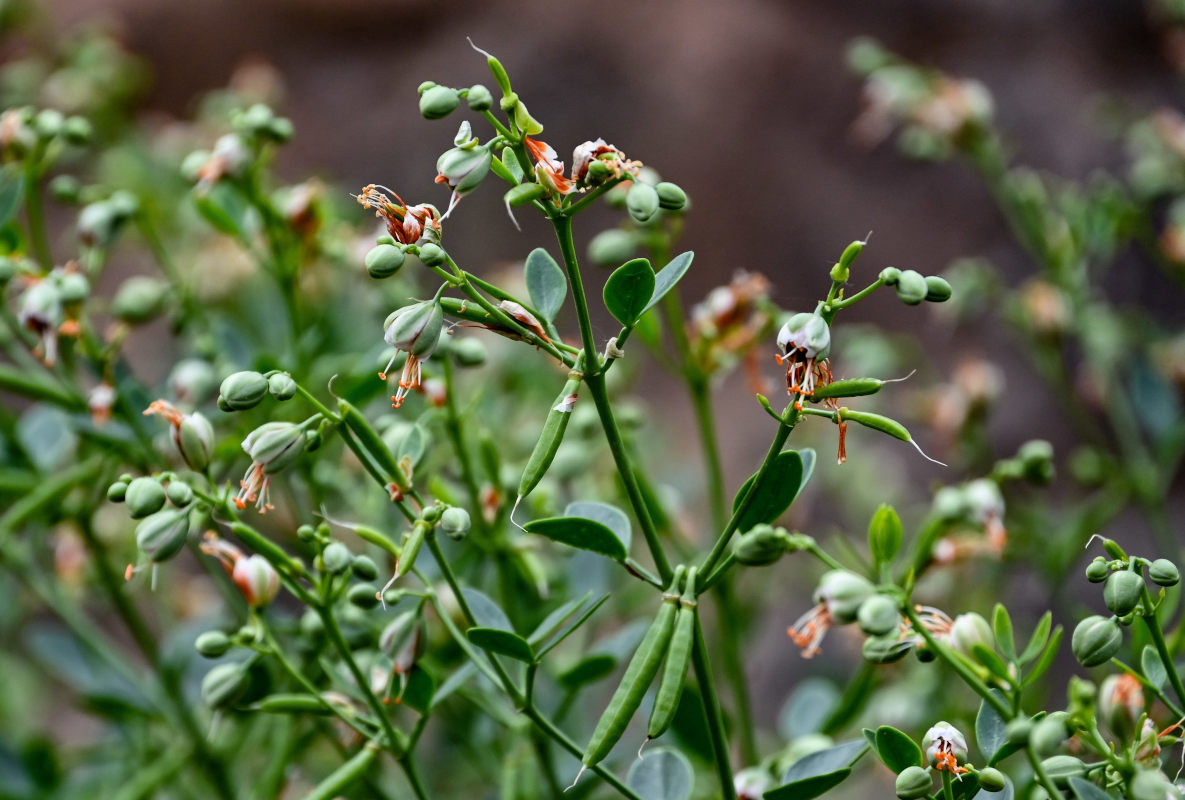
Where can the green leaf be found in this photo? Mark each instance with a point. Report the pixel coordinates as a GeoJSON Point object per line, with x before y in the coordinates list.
{"type": "Point", "coordinates": [566, 632]}
{"type": "Point", "coordinates": [421, 686]}
{"type": "Point", "coordinates": [884, 534]}
{"type": "Point", "coordinates": [1085, 790]}
{"type": "Point", "coordinates": [502, 642]}
{"type": "Point", "coordinates": [585, 534]}
{"type": "Point", "coordinates": [992, 661]}
{"type": "Point", "coordinates": [589, 669]}
{"type": "Point", "coordinates": [1002, 626]}
{"type": "Point", "coordinates": [46, 434]}
{"type": "Point", "coordinates": [12, 187]}
{"type": "Point", "coordinates": [546, 283]}
{"type": "Point", "coordinates": [1046, 659]}
{"type": "Point", "coordinates": [779, 486]}
{"type": "Point", "coordinates": [809, 788]}
{"type": "Point", "coordinates": [664, 774]}
{"type": "Point", "coordinates": [628, 290]}
{"type": "Point", "coordinates": [897, 750]}
{"type": "Point", "coordinates": [510, 161]}
{"type": "Point", "coordinates": [823, 762]}
{"type": "Point", "coordinates": [989, 729]}
{"type": "Point", "coordinates": [1153, 667]}
{"type": "Point", "coordinates": [555, 619]}
{"type": "Point", "coordinates": [668, 276]}
{"type": "Point", "coordinates": [224, 208]}
{"type": "Point", "coordinates": [414, 444]}
{"type": "Point", "coordinates": [853, 700]}
{"type": "Point", "coordinates": [807, 708]}
{"type": "Point", "coordinates": [611, 517]}
{"type": "Point", "coordinates": [1038, 639]}
{"type": "Point", "coordinates": [486, 613]}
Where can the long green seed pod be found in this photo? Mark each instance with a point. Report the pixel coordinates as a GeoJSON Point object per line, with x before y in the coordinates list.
{"type": "Point", "coordinates": [370, 441]}
{"type": "Point", "coordinates": [884, 425]}
{"type": "Point", "coordinates": [670, 686]}
{"type": "Point", "coordinates": [553, 434]}
{"type": "Point", "coordinates": [293, 704]}
{"type": "Point", "coordinates": [346, 774]}
{"type": "Point", "coordinates": [848, 387]}
{"type": "Point", "coordinates": [411, 548]}
{"type": "Point", "coordinates": [637, 679]}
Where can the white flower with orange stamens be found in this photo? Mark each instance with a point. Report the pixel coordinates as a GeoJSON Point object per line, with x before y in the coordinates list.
{"type": "Point", "coordinates": [837, 601]}
{"type": "Point", "coordinates": [272, 447]}
{"type": "Point", "coordinates": [414, 330]}
{"type": "Point", "coordinates": [945, 747]}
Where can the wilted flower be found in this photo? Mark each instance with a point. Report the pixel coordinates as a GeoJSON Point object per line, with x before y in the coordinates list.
{"type": "Point", "coordinates": [408, 225]}
{"type": "Point", "coordinates": [837, 601]}
{"type": "Point", "coordinates": [41, 312]}
{"type": "Point", "coordinates": [611, 160]}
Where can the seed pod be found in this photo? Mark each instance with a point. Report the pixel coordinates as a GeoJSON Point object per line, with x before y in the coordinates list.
{"type": "Point", "coordinates": [370, 442]}
{"type": "Point", "coordinates": [455, 523]}
{"type": "Point", "coordinates": [884, 425]}
{"type": "Point", "coordinates": [1122, 591]}
{"type": "Point", "coordinates": [139, 299]}
{"type": "Point", "coordinates": [1098, 570]}
{"type": "Point", "coordinates": [144, 496]}
{"type": "Point", "coordinates": [337, 558]}
{"type": "Point", "coordinates": [889, 276]}
{"type": "Point", "coordinates": [991, 780]}
{"type": "Point", "coordinates": [1096, 640]}
{"type": "Point", "coordinates": [412, 543]}
{"type": "Point", "coordinates": [282, 386]}
{"type": "Point", "coordinates": [179, 493]}
{"type": "Point", "coordinates": [937, 289]}
{"type": "Point", "coordinates": [913, 783]}
{"type": "Point", "coordinates": [1061, 768]}
{"type": "Point", "coordinates": [212, 644]}
{"type": "Point", "coordinates": [670, 196]}
{"type": "Point", "coordinates": [223, 685]}
{"type": "Point", "coordinates": [242, 390]}
{"type": "Point", "coordinates": [479, 98]}
{"type": "Point", "coordinates": [642, 201]}
{"type": "Point", "coordinates": [670, 686]}
{"type": "Point", "coordinates": [911, 287]}
{"type": "Point", "coordinates": [848, 387]}
{"type": "Point", "coordinates": [438, 102]}
{"type": "Point", "coordinates": [878, 616]}
{"type": "Point", "coordinates": [552, 435]}
{"type": "Point", "coordinates": [1163, 572]}
{"type": "Point", "coordinates": [760, 546]}
{"type": "Point", "coordinates": [293, 704]}
{"type": "Point", "coordinates": [638, 675]}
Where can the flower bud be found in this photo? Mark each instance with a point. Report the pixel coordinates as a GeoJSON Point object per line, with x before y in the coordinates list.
{"type": "Point", "coordinates": [913, 783]}
{"type": "Point", "coordinates": [1096, 640]}
{"type": "Point", "coordinates": [363, 595]}
{"type": "Point", "coordinates": [937, 289]}
{"type": "Point", "coordinates": [144, 496]}
{"type": "Point", "coordinates": [257, 579]}
{"type": "Point", "coordinates": [224, 684]}
{"type": "Point", "coordinates": [878, 616]}
{"type": "Point", "coordinates": [1121, 704]}
{"type": "Point", "coordinates": [612, 247]}
{"type": "Point", "coordinates": [1036, 458]}
{"type": "Point", "coordinates": [274, 445]}
{"type": "Point", "coordinates": [77, 130]}
{"type": "Point", "coordinates": [432, 255]}
{"type": "Point", "coordinates": [117, 491]}
{"type": "Point", "coordinates": [193, 380]}
{"type": "Point", "coordinates": [946, 738]}
{"type": "Point", "coordinates": [364, 568]}
{"type": "Point", "coordinates": [760, 546]}
{"type": "Point", "coordinates": [843, 593]}
{"type": "Point", "coordinates": [243, 390]}
{"type": "Point", "coordinates": [641, 201]}
{"type": "Point", "coordinates": [437, 102]}
{"type": "Point", "coordinates": [1061, 768]}
{"type": "Point", "coordinates": [212, 644]}
{"type": "Point", "coordinates": [162, 535]}
{"type": "Point", "coordinates": [1152, 784]}
{"type": "Point", "coordinates": [991, 780]}
{"type": "Point", "coordinates": [1163, 572]}
{"type": "Point", "coordinates": [383, 261]}
{"type": "Point", "coordinates": [336, 558]}
{"type": "Point", "coordinates": [416, 329]}
{"type": "Point", "coordinates": [179, 493]}
{"type": "Point", "coordinates": [806, 332]}
{"type": "Point", "coordinates": [889, 276]}
{"type": "Point", "coordinates": [463, 168]}
{"type": "Point", "coordinates": [194, 439]}
{"type": "Point", "coordinates": [48, 123]}
{"type": "Point", "coordinates": [1018, 732]}
{"type": "Point", "coordinates": [670, 196]}
{"type": "Point", "coordinates": [1098, 570]}
{"type": "Point", "coordinates": [751, 783]}
{"type": "Point", "coordinates": [139, 299]}
{"type": "Point", "coordinates": [281, 386]}
{"type": "Point", "coordinates": [454, 522]}
{"type": "Point", "coordinates": [468, 352]}
{"type": "Point", "coordinates": [885, 649]}
{"type": "Point", "coordinates": [479, 98]}
{"type": "Point", "coordinates": [969, 630]}
{"type": "Point", "coordinates": [1122, 591]}
{"type": "Point", "coordinates": [911, 287]}
{"type": "Point", "coordinates": [73, 287]}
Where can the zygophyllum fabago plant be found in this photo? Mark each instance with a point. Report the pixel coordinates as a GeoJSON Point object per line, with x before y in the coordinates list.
{"type": "Point", "coordinates": [415, 589]}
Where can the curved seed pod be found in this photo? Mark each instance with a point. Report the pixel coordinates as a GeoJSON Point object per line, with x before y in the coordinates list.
{"type": "Point", "coordinates": [848, 387]}
{"type": "Point", "coordinates": [294, 704]}
{"type": "Point", "coordinates": [885, 425]}
{"type": "Point", "coordinates": [411, 548]}
{"type": "Point", "coordinates": [373, 444]}
{"type": "Point", "coordinates": [638, 676]}
{"type": "Point", "coordinates": [551, 437]}
{"type": "Point", "coordinates": [670, 686]}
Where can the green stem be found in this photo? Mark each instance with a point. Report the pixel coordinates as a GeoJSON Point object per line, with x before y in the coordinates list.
{"type": "Point", "coordinates": [34, 212]}
{"type": "Point", "coordinates": [1040, 773]}
{"type": "Point", "coordinates": [1166, 658]}
{"type": "Point", "coordinates": [954, 662]}
{"type": "Point", "coordinates": [715, 720]}
{"type": "Point", "coordinates": [948, 791]}
{"type": "Point", "coordinates": [561, 738]}
{"type": "Point", "coordinates": [413, 777]}
{"type": "Point", "coordinates": [456, 434]}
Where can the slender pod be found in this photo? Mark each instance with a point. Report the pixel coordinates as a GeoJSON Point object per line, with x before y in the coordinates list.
{"type": "Point", "coordinates": [883, 424]}
{"type": "Point", "coordinates": [370, 440]}
{"type": "Point", "coordinates": [411, 548]}
{"type": "Point", "coordinates": [346, 774]}
{"type": "Point", "coordinates": [294, 704]}
{"type": "Point", "coordinates": [848, 387]}
{"type": "Point", "coordinates": [637, 679]}
{"type": "Point", "coordinates": [552, 436]}
{"type": "Point", "coordinates": [670, 686]}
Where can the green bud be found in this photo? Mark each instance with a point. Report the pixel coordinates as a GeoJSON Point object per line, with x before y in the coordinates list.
{"type": "Point", "coordinates": [212, 644]}
{"type": "Point", "coordinates": [612, 247]}
{"type": "Point", "coordinates": [437, 102]}
{"type": "Point", "coordinates": [468, 351]}
{"type": "Point", "coordinates": [65, 188]}
{"type": "Point", "coordinates": [48, 123]}
{"type": "Point", "coordinates": [281, 386]}
{"type": "Point", "coordinates": [991, 780]}
{"type": "Point", "coordinates": [416, 329]}
{"type": "Point", "coordinates": [1122, 591]}
{"type": "Point", "coordinates": [162, 535]}
{"type": "Point", "coordinates": [670, 196]}
{"type": "Point", "coordinates": [642, 201]}
{"type": "Point", "coordinates": [1036, 458]}
{"type": "Point", "coordinates": [1098, 570]}
{"type": "Point", "coordinates": [455, 523]}
{"type": "Point", "coordinates": [884, 649]}
{"type": "Point", "coordinates": [364, 568]}
{"type": "Point", "coordinates": [73, 287]}
{"type": "Point", "coordinates": [843, 593]}
{"type": "Point", "coordinates": [179, 493]}
{"type": "Point", "coordinates": [878, 616]}
{"type": "Point", "coordinates": [432, 255]}
{"type": "Point", "coordinates": [760, 546]}
{"type": "Point", "coordinates": [1061, 768]}
{"type": "Point", "coordinates": [77, 130]}
{"type": "Point", "coordinates": [117, 491]}
{"type": "Point", "coordinates": [1151, 784]}
{"type": "Point", "coordinates": [850, 253]}
{"type": "Point", "coordinates": [1018, 732]}
{"type": "Point", "coordinates": [937, 289]}
{"type": "Point", "coordinates": [890, 276]}
{"type": "Point", "coordinates": [336, 558]}
{"type": "Point", "coordinates": [1163, 572]}
{"type": "Point", "coordinates": [969, 630]}
{"type": "Point", "coordinates": [913, 783]}
{"type": "Point", "coordinates": [363, 595]}
{"type": "Point", "coordinates": [144, 496]}
{"type": "Point", "coordinates": [383, 261]}
{"type": "Point", "coordinates": [224, 685]}
{"type": "Point", "coordinates": [479, 98]}
{"type": "Point", "coordinates": [280, 130]}
{"type": "Point", "coordinates": [911, 287]}
{"type": "Point", "coordinates": [1096, 640]}
{"type": "Point", "coordinates": [194, 439]}
{"type": "Point", "coordinates": [242, 390]}
{"type": "Point", "coordinates": [139, 299]}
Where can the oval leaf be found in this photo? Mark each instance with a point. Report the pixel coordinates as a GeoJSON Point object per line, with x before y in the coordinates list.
{"type": "Point", "coordinates": [664, 774]}
{"type": "Point", "coordinates": [884, 534]}
{"type": "Point", "coordinates": [808, 788]}
{"type": "Point", "coordinates": [897, 750]}
{"type": "Point", "coordinates": [989, 729]}
{"type": "Point", "coordinates": [546, 283]}
{"type": "Point", "coordinates": [628, 290]}
{"type": "Point", "coordinates": [1153, 667]}
{"type": "Point", "coordinates": [585, 534]}
{"type": "Point", "coordinates": [502, 642]}
{"type": "Point", "coordinates": [825, 762]}
{"type": "Point", "coordinates": [421, 686]}
{"type": "Point", "coordinates": [611, 517]}
{"type": "Point", "coordinates": [486, 613]}
{"type": "Point", "coordinates": [779, 486]}
{"type": "Point", "coordinates": [807, 707]}
{"type": "Point", "coordinates": [668, 276]}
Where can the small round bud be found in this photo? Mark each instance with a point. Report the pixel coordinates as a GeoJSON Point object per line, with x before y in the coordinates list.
{"type": "Point", "coordinates": [139, 299]}
{"type": "Point", "coordinates": [144, 496]}
{"type": "Point", "coordinates": [991, 780]}
{"type": "Point", "coordinates": [843, 593]}
{"type": "Point", "coordinates": [281, 386]}
{"type": "Point", "coordinates": [363, 595]}
{"type": "Point", "coordinates": [1049, 733]}
{"type": "Point", "coordinates": [73, 287]}
{"type": "Point", "coordinates": [468, 351]}
{"type": "Point", "coordinates": [437, 102]}
{"type": "Point", "coordinates": [1061, 768]}
{"type": "Point", "coordinates": [670, 196]}
{"type": "Point", "coordinates": [432, 255]}
{"type": "Point", "coordinates": [1151, 784]}
{"type": "Point", "coordinates": [642, 201]}
{"type": "Point", "coordinates": [1098, 570]}
{"type": "Point", "coordinates": [280, 130]}
{"type": "Point", "coordinates": [1018, 731]}
{"type": "Point", "coordinates": [1163, 572]}
{"type": "Point", "coordinates": [612, 247]}
{"type": "Point", "coordinates": [911, 287]}
{"type": "Point", "coordinates": [878, 616]}
{"type": "Point", "coordinates": [162, 535]}
{"type": "Point", "coordinates": [1122, 591]}
{"type": "Point", "coordinates": [194, 438]}
{"type": "Point", "coordinates": [336, 558]}
{"type": "Point", "coordinates": [1096, 640]}
{"type": "Point", "coordinates": [306, 533]}
{"type": "Point", "coordinates": [890, 276]}
{"type": "Point", "coordinates": [969, 630]}
{"type": "Point", "coordinates": [760, 546]}
{"type": "Point", "coordinates": [48, 123]}
{"type": "Point", "coordinates": [455, 522]}
{"type": "Point", "coordinates": [65, 188]}
{"type": "Point", "coordinates": [364, 568]}
{"type": "Point", "coordinates": [117, 491]}
{"type": "Point", "coordinates": [884, 649]}
{"type": "Point", "coordinates": [179, 493]}
{"type": "Point", "coordinates": [77, 130]}
{"type": "Point", "coordinates": [383, 261]}
{"type": "Point", "coordinates": [913, 783]}
{"type": "Point", "coordinates": [937, 289]}
{"type": "Point", "coordinates": [224, 685]}
{"type": "Point", "coordinates": [212, 644]}
{"type": "Point", "coordinates": [479, 98]}
{"type": "Point", "coordinates": [242, 390]}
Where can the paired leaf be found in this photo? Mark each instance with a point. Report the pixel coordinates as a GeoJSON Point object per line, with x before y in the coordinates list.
{"type": "Point", "coordinates": [502, 642]}
{"type": "Point", "coordinates": [897, 750]}
{"type": "Point", "coordinates": [819, 772]}
{"type": "Point", "coordinates": [611, 517]}
{"type": "Point", "coordinates": [668, 276]}
{"type": "Point", "coordinates": [992, 661]}
{"type": "Point", "coordinates": [664, 774]}
{"type": "Point", "coordinates": [884, 534]}
{"type": "Point", "coordinates": [629, 290]}
{"type": "Point", "coordinates": [1046, 659]}
{"type": "Point", "coordinates": [779, 486]}
{"type": "Point", "coordinates": [546, 283]}
{"type": "Point", "coordinates": [1038, 639]}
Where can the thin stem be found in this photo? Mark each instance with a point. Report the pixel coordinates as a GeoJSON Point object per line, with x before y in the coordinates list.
{"type": "Point", "coordinates": [413, 777]}
{"type": "Point", "coordinates": [34, 212]}
{"type": "Point", "coordinates": [1039, 772]}
{"type": "Point", "coordinates": [1166, 658]}
{"type": "Point", "coordinates": [561, 738]}
{"type": "Point", "coordinates": [456, 434]}
{"type": "Point", "coordinates": [715, 720]}
{"type": "Point", "coordinates": [969, 677]}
